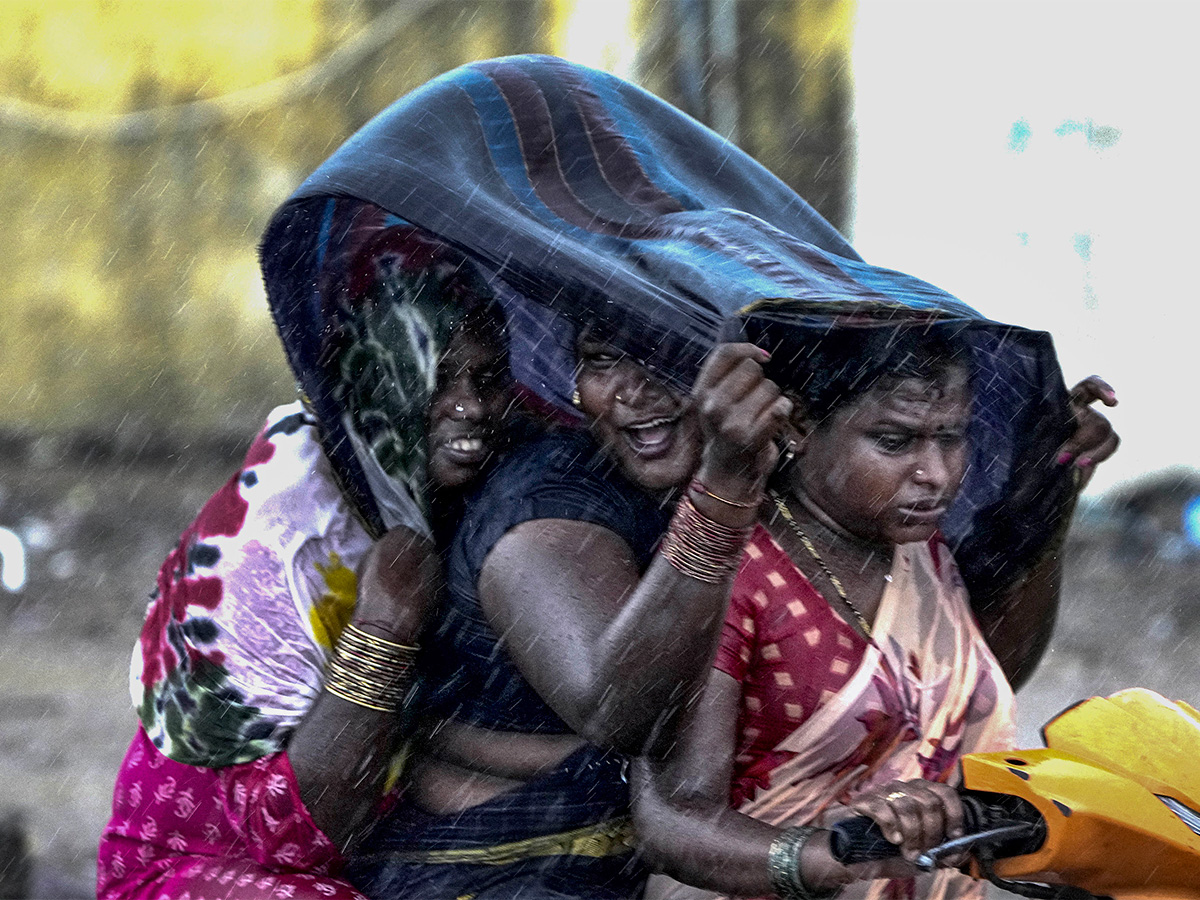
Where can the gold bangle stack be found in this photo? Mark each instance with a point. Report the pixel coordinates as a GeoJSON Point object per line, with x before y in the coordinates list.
{"type": "Point", "coordinates": [783, 863]}
{"type": "Point", "coordinates": [701, 548]}
{"type": "Point", "coordinates": [370, 671]}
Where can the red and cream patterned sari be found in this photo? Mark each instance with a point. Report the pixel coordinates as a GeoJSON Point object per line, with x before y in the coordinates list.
{"type": "Point", "coordinates": [827, 715]}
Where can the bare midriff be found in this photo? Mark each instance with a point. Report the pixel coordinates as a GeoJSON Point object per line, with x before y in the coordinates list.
{"type": "Point", "coordinates": [459, 766]}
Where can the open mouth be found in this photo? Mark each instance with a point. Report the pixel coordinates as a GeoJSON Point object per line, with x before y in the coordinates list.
{"type": "Point", "coordinates": [652, 438]}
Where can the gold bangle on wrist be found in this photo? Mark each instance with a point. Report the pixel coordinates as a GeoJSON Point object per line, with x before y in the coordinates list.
{"type": "Point", "coordinates": [701, 488]}
{"type": "Point", "coordinates": [700, 547]}
{"type": "Point", "coordinates": [783, 863]}
{"type": "Point", "coordinates": [370, 671]}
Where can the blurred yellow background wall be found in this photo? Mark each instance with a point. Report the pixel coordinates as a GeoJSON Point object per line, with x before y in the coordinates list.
{"type": "Point", "coordinates": [147, 143]}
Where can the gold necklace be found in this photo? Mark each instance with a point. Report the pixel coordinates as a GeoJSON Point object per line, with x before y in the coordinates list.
{"type": "Point", "coordinates": [812, 551]}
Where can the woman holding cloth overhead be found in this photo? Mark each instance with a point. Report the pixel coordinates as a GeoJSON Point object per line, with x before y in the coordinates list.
{"type": "Point", "coordinates": [275, 663]}
{"type": "Point", "coordinates": [852, 675]}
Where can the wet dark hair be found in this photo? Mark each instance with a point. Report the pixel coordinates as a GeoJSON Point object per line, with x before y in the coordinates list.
{"type": "Point", "coordinates": [655, 353]}
{"type": "Point", "coordinates": [827, 369]}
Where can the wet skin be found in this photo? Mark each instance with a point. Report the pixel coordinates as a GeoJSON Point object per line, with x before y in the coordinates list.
{"type": "Point", "coordinates": [474, 389]}
{"type": "Point", "coordinates": [871, 449]}
{"type": "Point", "coordinates": [651, 432]}
{"type": "Point", "coordinates": [880, 471]}
{"type": "Point", "coordinates": [340, 751]}
{"type": "Point", "coordinates": [574, 586]}
{"type": "Point", "coordinates": [885, 467]}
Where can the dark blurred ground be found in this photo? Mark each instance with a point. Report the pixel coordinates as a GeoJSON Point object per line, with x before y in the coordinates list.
{"type": "Point", "coordinates": [98, 516]}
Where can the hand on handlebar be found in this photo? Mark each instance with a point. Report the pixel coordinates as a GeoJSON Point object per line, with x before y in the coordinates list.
{"type": "Point", "coordinates": [914, 815]}
{"type": "Point", "coordinates": [1005, 825]}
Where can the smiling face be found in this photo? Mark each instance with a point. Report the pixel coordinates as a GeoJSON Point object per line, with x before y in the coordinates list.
{"type": "Point", "coordinates": [650, 431]}
{"type": "Point", "coordinates": [467, 412]}
{"type": "Point", "coordinates": [886, 465]}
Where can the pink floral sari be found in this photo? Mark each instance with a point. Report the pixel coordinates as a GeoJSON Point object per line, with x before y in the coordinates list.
{"type": "Point", "coordinates": [926, 691]}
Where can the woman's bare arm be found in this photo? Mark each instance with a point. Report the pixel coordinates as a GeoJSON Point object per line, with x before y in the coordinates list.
{"type": "Point", "coordinates": [688, 831]}
{"type": "Point", "coordinates": [341, 751]}
{"type": "Point", "coordinates": [615, 654]}
{"type": "Point", "coordinates": [681, 804]}
{"type": "Point", "coordinates": [1018, 624]}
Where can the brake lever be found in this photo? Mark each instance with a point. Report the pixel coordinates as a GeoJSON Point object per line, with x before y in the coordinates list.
{"type": "Point", "coordinates": [968, 842]}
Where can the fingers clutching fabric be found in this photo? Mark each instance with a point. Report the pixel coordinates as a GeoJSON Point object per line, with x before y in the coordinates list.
{"type": "Point", "coordinates": [1094, 439]}
{"type": "Point", "coordinates": [741, 413]}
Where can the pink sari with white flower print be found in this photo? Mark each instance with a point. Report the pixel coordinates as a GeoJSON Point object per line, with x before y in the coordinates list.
{"type": "Point", "coordinates": [183, 832]}
{"type": "Point", "coordinates": [249, 604]}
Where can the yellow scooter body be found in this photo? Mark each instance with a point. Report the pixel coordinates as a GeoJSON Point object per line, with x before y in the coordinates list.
{"type": "Point", "coordinates": [1119, 788]}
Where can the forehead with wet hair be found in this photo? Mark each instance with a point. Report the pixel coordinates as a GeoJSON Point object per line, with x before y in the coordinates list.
{"type": "Point", "coordinates": [655, 353]}
{"type": "Point", "coordinates": [614, 331]}
{"type": "Point", "coordinates": [484, 320]}
{"type": "Point", "coordinates": [826, 371]}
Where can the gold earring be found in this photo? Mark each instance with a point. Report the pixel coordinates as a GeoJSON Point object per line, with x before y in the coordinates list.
{"type": "Point", "coordinates": [576, 400]}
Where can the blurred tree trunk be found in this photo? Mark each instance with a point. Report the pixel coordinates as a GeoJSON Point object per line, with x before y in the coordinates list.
{"type": "Point", "coordinates": [771, 75]}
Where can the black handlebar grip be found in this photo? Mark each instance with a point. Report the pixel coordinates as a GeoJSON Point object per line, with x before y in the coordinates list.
{"type": "Point", "coordinates": [859, 840]}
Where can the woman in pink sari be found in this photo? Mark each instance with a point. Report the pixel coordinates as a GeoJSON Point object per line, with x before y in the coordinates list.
{"type": "Point", "coordinates": [852, 675]}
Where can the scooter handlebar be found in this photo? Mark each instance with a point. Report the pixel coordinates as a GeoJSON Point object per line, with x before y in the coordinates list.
{"type": "Point", "coordinates": [859, 840]}
{"type": "Point", "coordinates": [1012, 826]}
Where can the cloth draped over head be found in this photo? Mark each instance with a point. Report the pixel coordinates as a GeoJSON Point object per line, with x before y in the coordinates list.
{"type": "Point", "coordinates": [567, 196]}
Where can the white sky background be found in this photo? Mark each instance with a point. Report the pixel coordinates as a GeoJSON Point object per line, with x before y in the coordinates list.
{"type": "Point", "coordinates": [942, 195]}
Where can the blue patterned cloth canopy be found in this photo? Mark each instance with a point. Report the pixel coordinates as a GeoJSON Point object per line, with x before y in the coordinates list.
{"type": "Point", "coordinates": [578, 196]}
